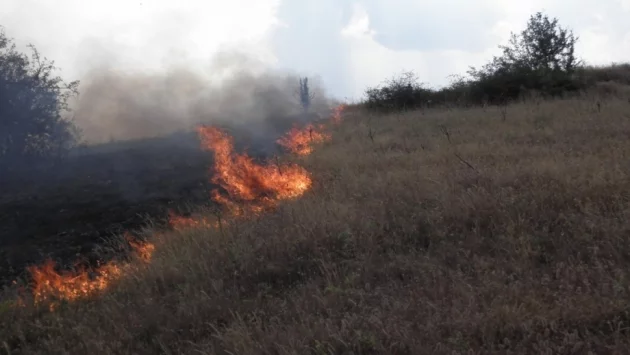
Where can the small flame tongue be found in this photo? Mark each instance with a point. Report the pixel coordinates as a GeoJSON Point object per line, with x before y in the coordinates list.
{"type": "Point", "coordinates": [301, 141]}
{"type": "Point", "coordinates": [337, 111]}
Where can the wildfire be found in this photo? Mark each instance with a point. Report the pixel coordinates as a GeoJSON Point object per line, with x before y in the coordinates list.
{"type": "Point", "coordinates": [144, 251]}
{"type": "Point", "coordinates": [300, 141]}
{"type": "Point", "coordinates": [337, 111]}
{"type": "Point", "coordinates": [52, 286]}
{"type": "Point", "coordinates": [244, 180]}
{"type": "Point", "coordinates": [181, 222]}
{"type": "Point", "coordinates": [247, 186]}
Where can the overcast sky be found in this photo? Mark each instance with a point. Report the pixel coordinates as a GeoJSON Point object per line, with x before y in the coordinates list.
{"type": "Point", "coordinates": [349, 44]}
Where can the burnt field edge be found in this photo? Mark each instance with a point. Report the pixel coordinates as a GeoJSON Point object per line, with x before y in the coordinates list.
{"type": "Point", "coordinates": [70, 213]}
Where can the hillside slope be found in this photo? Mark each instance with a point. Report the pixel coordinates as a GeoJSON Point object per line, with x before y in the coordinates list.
{"type": "Point", "coordinates": [426, 232]}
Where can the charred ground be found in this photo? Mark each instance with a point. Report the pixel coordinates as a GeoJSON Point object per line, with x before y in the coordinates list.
{"type": "Point", "coordinates": [69, 210]}
{"type": "Point", "coordinates": [64, 211]}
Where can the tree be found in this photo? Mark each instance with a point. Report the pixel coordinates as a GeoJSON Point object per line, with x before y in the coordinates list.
{"type": "Point", "coordinates": [32, 106]}
{"type": "Point", "coordinates": [542, 57]}
{"type": "Point", "coordinates": [401, 92]}
{"type": "Point", "coordinates": [305, 94]}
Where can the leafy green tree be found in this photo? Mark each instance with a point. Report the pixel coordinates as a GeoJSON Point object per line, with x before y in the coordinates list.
{"type": "Point", "coordinates": [32, 106]}
{"type": "Point", "coordinates": [401, 92]}
{"type": "Point", "coordinates": [542, 57]}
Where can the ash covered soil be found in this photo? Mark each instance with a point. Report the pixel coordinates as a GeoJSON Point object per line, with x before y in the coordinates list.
{"type": "Point", "coordinates": [65, 212]}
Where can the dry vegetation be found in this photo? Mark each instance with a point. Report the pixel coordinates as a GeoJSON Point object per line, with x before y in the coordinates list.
{"type": "Point", "coordinates": [432, 232]}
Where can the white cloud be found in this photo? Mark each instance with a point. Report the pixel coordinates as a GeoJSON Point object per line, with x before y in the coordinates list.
{"type": "Point", "coordinates": [371, 62]}
{"type": "Point", "coordinates": [382, 38]}
{"type": "Point", "coordinates": [359, 24]}
{"type": "Point", "coordinates": [137, 34]}
{"type": "Point", "coordinates": [350, 44]}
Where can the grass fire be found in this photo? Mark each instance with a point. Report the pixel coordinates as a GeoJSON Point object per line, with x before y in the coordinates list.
{"type": "Point", "coordinates": [242, 210]}
{"type": "Point", "coordinates": [250, 187]}
{"type": "Point", "coordinates": [301, 141]}
{"type": "Point", "coordinates": [259, 186]}
{"type": "Point", "coordinates": [51, 286]}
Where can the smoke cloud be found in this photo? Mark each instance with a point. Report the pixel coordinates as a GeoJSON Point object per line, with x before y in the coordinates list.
{"type": "Point", "coordinates": [236, 91]}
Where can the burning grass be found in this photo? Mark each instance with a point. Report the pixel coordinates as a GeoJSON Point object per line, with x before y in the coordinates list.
{"type": "Point", "coordinates": [178, 222]}
{"type": "Point", "coordinates": [250, 187]}
{"type": "Point", "coordinates": [246, 182]}
{"type": "Point", "coordinates": [301, 141]}
{"type": "Point", "coordinates": [430, 232]}
{"type": "Point", "coordinates": [50, 286]}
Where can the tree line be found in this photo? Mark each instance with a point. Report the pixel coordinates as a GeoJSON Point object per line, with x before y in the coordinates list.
{"type": "Point", "coordinates": [540, 59]}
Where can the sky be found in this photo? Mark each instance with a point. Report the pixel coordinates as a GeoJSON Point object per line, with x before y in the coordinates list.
{"type": "Point", "coordinates": [349, 45]}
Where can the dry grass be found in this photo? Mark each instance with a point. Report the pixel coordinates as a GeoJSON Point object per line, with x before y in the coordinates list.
{"type": "Point", "coordinates": [619, 73]}
{"type": "Point", "coordinates": [444, 232]}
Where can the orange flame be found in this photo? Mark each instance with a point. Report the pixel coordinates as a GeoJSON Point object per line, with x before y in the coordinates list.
{"type": "Point", "coordinates": [301, 141]}
{"type": "Point", "coordinates": [144, 251]}
{"type": "Point", "coordinates": [337, 111]}
{"type": "Point", "coordinates": [51, 286]}
{"type": "Point", "coordinates": [181, 223]}
{"type": "Point", "coordinates": [244, 180]}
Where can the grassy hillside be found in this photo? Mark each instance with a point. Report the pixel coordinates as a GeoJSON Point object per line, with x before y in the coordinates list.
{"type": "Point", "coordinates": [431, 232]}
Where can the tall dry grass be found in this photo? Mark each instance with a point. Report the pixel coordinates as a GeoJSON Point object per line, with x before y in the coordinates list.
{"type": "Point", "coordinates": [464, 231]}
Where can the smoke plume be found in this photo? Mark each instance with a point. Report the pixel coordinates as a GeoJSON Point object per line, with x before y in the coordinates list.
{"type": "Point", "coordinates": [237, 91]}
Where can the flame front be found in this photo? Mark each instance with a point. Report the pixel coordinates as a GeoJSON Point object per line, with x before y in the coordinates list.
{"type": "Point", "coordinates": [180, 222]}
{"type": "Point", "coordinates": [249, 186]}
{"type": "Point", "coordinates": [247, 182]}
{"type": "Point", "coordinates": [337, 111]}
{"type": "Point", "coordinates": [52, 287]}
{"type": "Point", "coordinates": [300, 141]}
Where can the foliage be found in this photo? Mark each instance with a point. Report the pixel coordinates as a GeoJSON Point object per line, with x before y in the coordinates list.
{"type": "Point", "coordinates": [539, 59]}
{"type": "Point", "coordinates": [32, 104]}
{"type": "Point", "coordinates": [542, 57]}
{"type": "Point", "coordinates": [398, 93]}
